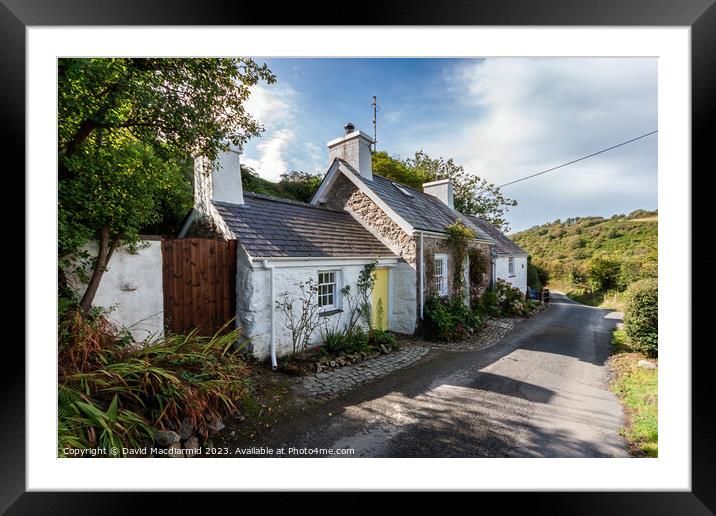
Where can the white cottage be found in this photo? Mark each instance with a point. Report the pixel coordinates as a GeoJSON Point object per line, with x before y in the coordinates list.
{"type": "Point", "coordinates": [509, 260]}
{"type": "Point", "coordinates": [283, 243]}
{"type": "Point", "coordinates": [354, 218]}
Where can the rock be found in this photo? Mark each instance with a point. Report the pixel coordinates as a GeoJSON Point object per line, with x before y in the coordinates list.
{"type": "Point", "coordinates": [341, 361]}
{"type": "Point", "coordinates": [332, 363]}
{"type": "Point", "coordinates": [174, 451]}
{"type": "Point", "coordinates": [383, 349]}
{"type": "Point", "coordinates": [166, 437]}
{"type": "Point", "coordinates": [319, 368]}
{"type": "Point", "coordinates": [645, 364]}
{"type": "Point", "coordinates": [215, 425]}
{"type": "Point", "coordinates": [192, 444]}
{"type": "Point", "coordinates": [187, 428]}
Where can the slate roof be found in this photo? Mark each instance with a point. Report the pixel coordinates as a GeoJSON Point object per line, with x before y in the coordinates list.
{"type": "Point", "coordinates": [271, 227]}
{"type": "Point", "coordinates": [502, 245]}
{"type": "Point", "coordinates": [422, 211]}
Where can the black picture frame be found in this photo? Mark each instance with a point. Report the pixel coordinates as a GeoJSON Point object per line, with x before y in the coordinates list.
{"type": "Point", "coordinates": [700, 15]}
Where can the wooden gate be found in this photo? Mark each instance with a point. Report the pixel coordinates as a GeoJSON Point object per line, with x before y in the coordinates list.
{"type": "Point", "coordinates": [199, 284]}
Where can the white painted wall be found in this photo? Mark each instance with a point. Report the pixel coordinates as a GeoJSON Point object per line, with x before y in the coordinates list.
{"type": "Point", "coordinates": [253, 298]}
{"type": "Point", "coordinates": [519, 280]}
{"type": "Point", "coordinates": [132, 288]}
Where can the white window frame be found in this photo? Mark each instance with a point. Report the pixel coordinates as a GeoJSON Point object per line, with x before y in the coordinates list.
{"type": "Point", "coordinates": [336, 289]}
{"type": "Point", "coordinates": [511, 266]}
{"type": "Point", "coordinates": [441, 280]}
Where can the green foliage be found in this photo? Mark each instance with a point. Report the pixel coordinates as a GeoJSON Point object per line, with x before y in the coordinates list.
{"type": "Point", "coordinates": [334, 341]}
{"type": "Point", "coordinates": [536, 276]}
{"type": "Point", "coordinates": [603, 273]}
{"type": "Point", "coordinates": [594, 253]}
{"type": "Point", "coordinates": [111, 394]}
{"type": "Point", "coordinates": [127, 132]}
{"type": "Point", "coordinates": [472, 194]}
{"type": "Point", "coordinates": [381, 337]}
{"type": "Point", "coordinates": [449, 319]}
{"type": "Point", "coordinates": [295, 185]}
{"type": "Point", "coordinates": [510, 300]}
{"type": "Point", "coordinates": [359, 304]}
{"type": "Point", "coordinates": [489, 305]}
{"type": "Point", "coordinates": [459, 237]}
{"type": "Point", "coordinates": [641, 316]}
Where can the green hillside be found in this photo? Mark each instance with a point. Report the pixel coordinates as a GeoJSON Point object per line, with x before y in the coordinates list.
{"type": "Point", "coordinates": [595, 254]}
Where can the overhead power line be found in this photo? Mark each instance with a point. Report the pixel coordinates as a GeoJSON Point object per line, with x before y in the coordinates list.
{"type": "Point", "coordinates": [579, 159]}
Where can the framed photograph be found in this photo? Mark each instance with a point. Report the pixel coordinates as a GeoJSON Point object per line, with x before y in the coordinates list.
{"type": "Point", "coordinates": [429, 240]}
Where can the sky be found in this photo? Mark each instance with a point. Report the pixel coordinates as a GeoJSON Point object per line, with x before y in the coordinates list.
{"type": "Point", "coordinates": [501, 118]}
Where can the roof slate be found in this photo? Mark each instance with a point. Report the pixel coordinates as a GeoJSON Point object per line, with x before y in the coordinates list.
{"type": "Point", "coordinates": [421, 210]}
{"type": "Point", "coordinates": [502, 245]}
{"type": "Point", "coordinates": [271, 227]}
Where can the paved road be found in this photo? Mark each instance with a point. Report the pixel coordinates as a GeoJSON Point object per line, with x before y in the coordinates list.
{"type": "Point", "coordinates": [540, 392]}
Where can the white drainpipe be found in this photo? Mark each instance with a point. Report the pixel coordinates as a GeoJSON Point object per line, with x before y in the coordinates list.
{"type": "Point", "coordinates": [422, 275]}
{"type": "Point", "coordinates": [272, 347]}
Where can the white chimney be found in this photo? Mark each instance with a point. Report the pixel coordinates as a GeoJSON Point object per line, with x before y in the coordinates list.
{"type": "Point", "coordinates": [226, 178]}
{"type": "Point", "coordinates": [441, 189]}
{"type": "Point", "coordinates": [353, 148]}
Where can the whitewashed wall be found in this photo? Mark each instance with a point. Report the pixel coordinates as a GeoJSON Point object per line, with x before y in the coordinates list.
{"type": "Point", "coordinates": [405, 298]}
{"type": "Point", "coordinates": [132, 288]}
{"type": "Point", "coordinates": [253, 299]}
{"type": "Point", "coordinates": [519, 280]}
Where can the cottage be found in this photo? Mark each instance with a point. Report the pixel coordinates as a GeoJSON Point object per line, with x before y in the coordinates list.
{"type": "Point", "coordinates": [509, 260]}
{"type": "Point", "coordinates": [355, 218]}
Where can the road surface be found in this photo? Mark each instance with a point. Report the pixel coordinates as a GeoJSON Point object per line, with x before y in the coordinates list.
{"type": "Point", "coordinates": [540, 392]}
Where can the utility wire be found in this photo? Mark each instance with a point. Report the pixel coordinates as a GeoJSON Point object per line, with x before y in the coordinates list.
{"type": "Point", "coordinates": [579, 159]}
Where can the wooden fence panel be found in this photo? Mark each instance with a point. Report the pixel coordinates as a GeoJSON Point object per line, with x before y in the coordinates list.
{"type": "Point", "coordinates": [199, 284]}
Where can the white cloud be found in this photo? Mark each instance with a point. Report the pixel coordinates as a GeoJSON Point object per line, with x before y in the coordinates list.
{"type": "Point", "coordinates": [528, 115]}
{"type": "Point", "coordinates": [275, 108]}
{"type": "Point", "coordinates": [271, 162]}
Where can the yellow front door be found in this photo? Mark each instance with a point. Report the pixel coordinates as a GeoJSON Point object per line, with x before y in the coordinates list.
{"type": "Point", "coordinates": [380, 300]}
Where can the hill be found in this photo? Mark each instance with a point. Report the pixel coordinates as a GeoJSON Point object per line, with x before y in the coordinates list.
{"type": "Point", "coordinates": [594, 253]}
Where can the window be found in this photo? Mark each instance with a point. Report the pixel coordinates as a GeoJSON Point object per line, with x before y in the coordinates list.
{"type": "Point", "coordinates": [441, 274]}
{"type": "Point", "coordinates": [327, 290]}
{"type": "Point", "coordinates": [402, 190]}
{"type": "Point", "coordinates": [511, 265]}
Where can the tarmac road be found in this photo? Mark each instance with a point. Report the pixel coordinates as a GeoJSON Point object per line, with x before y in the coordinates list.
{"type": "Point", "coordinates": [540, 392]}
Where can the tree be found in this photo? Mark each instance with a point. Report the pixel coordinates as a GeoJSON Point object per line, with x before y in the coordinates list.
{"type": "Point", "coordinates": [472, 194]}
{"type": "Point", "coordinates": [603, 273]}
{"type": "Point", "coordinates": [126, 127]}
{"type": "Point", "coordinates": [299, 185]}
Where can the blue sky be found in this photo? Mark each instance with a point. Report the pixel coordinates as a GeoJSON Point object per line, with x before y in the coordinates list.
{"type": "Point", "coordinates": [502, 118]}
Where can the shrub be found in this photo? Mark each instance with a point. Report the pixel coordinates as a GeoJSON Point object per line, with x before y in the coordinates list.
{"type": "Point", "coordinates": [489, 305]}
{"type": "Point", "coordinates": [602, 274]}
{"type": "Point", "coordinates": [112, 393]}
{"type": "Point", "coordinates": [334, 341]}
{"type": "Point", "coordinates": [641, 316]}
{"type": "Point", "coordinates": [510, 300]}
{"type": "Point", "coordinates": [448, 319]}
{"type": "Point", "coordinates": [379, 337]}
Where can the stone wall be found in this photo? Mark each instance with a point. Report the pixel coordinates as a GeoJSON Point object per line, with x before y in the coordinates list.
{"type": "Point", "coordinates": [433, 246]}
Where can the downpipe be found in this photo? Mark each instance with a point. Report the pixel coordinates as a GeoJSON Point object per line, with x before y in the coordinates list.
{"type": "Point", "coordinates": [272, 309]}
{"type": "Point", "coordinates": [422, 276]}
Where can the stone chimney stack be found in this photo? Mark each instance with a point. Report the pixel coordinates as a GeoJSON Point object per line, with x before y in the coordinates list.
{"type": "Point", "coordinates": [354, 149]}
{"type": "Point", "coordinates": [442, 189]}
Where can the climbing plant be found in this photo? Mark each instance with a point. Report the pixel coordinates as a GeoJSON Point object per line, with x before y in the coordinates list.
{"type": "Point", "coordinates": [359, 303]}
{"type": "Point", "coordinates": [459, 236]}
